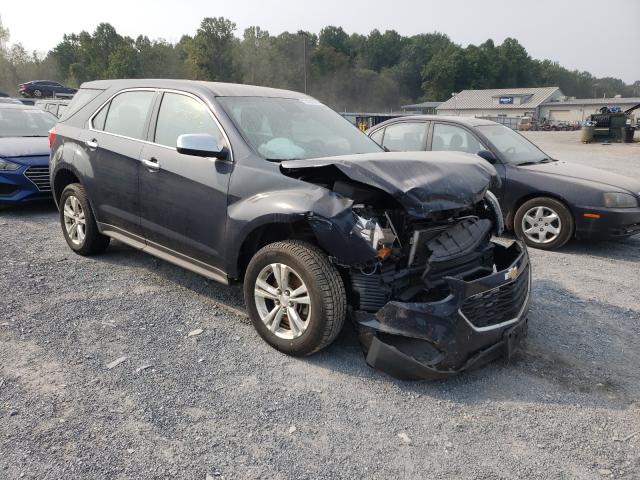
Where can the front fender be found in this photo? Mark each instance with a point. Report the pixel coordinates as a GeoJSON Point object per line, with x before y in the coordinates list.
{"type": "Point", "coordinates": [281, 206]}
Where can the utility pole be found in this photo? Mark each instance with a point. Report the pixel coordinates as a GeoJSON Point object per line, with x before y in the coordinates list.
{"type": "Point", "coordinates": [304, 56]}
{"type": "Point", "coordinates": [3, 40]}
{"type": "Point", "coordinates": [304, 52]}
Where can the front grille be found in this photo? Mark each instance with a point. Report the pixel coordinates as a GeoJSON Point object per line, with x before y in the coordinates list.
{"type": "Point", "coordinates": [498, 305]}
{"type": "Point", "coordinates": [40, 177]}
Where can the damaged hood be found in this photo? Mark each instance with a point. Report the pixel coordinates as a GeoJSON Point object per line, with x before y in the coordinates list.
{"type": "Point", "coordinates": [422, 182]}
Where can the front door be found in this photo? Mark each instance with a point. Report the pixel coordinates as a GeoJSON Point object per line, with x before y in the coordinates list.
{"type": "Point", "coordinates": [448, 137]}
{"type": "Point", "coordinates": [183, 198]}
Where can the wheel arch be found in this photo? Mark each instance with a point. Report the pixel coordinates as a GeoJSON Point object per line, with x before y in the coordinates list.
{"type": "Point", "coordinates": [62, 178]}
{"type": "Point", "coordinates": [525, 198]}
{"type": "Point", "coordinates": [265, 234]}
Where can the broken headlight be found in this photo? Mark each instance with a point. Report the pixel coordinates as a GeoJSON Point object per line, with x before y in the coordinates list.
{"type": "Point", "coordinates": [380, 235]}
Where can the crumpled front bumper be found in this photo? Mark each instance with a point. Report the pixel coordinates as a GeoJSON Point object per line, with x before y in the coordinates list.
{"type": "Point", "coordinates": [432, 340]}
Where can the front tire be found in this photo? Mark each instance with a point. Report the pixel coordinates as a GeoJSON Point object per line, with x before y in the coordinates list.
{"type": "Point", "coordinates": [78, 223]}
{"type": "Point", "coordinates": [295, 297]}
{"type": "Point", "coordinates": [544, 223]}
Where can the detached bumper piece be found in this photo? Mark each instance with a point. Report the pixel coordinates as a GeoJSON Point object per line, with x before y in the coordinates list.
{"type": "Point", "coordinates": [481, 319]}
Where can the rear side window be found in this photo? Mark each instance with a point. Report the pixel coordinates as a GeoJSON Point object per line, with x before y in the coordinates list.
{"type": "Point", "coordinates": [128, 112]}
{"type": "Point", "coordinates": [179, 115]}
{"type": "Point", "coordinates": [80, 99]}
{"type": "Point", "coordinates": [98, 120]}
{"type": "Point", "coordinates": [377, 136]}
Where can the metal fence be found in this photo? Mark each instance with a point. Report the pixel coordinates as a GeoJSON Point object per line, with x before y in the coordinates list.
{"type": "Point", "coordinates": [511, 122]}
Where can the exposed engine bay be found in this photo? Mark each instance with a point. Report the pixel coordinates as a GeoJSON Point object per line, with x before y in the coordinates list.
{"type": "Point", "coordinates": [428, 288]}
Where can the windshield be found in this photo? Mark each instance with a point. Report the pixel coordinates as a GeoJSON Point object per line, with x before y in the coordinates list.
{"type": "Point", "coordinates": [513, 146]}
{"type": "Point", "coordinates": [292, 129]}
{"type": "Point", "coordinates": [15, 122]}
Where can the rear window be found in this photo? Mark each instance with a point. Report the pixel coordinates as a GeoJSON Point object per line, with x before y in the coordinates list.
{"type": "Point", "coordinates": [80, 99]}
{"type": "Point", "coordinates": [25, 122]}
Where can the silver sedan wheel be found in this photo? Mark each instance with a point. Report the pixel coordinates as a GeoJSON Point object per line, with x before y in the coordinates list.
{"type": "Point", "coordinates": [282, 300]}
{"type": "Point", "coordinates": [541, 224]}
{"type": "Point", "coordinates": [74, 220]}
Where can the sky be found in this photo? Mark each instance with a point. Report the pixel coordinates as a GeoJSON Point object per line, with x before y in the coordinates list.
{"type": "Point", "coordinates": [602, 37]}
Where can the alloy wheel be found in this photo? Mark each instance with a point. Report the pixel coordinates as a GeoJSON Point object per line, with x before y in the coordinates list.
{"type": "Point", "coordinates": [541, 225]}
{"type": "Point", "coordinates": [74, 220]}
{"type": "Point", "coordinates": [282, 300]}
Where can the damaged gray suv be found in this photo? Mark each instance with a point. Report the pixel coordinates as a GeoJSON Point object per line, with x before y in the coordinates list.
{"type": "Point", "coordinates": [272, 188]}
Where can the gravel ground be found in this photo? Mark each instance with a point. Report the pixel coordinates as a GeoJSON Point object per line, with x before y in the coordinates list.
{"type": "Point", "coordinates": [222, 404]}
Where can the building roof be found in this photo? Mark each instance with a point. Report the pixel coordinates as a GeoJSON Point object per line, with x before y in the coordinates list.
{"type": "Point", "coordinates": [485, 99]}
{"type": "Point", "coordinates": [423, 105]}
{"type": "Point", "coordinates": [595, 101]}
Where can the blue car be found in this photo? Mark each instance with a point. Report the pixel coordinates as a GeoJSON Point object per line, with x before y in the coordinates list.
{"type": "Point", "coordinates": [24, 153]}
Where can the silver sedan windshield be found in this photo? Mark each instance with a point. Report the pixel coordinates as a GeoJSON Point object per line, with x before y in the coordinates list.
{"type": "Point", "coordinates": [513, 146]}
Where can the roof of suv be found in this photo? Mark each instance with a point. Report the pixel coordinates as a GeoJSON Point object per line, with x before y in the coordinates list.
{"type": "Point", "coordinates": [218, 89]}
{"type": "Point", "coordinates": [468, 121]}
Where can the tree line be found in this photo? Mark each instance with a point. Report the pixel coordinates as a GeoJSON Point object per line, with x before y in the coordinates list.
{"type": "Point", "coordinates": [378, 71]}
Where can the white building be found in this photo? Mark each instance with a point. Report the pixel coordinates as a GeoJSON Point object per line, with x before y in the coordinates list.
{"type": "Point", "coordinates": [503, 102]}
{"type": "Point", "coordinates": [579, 109]}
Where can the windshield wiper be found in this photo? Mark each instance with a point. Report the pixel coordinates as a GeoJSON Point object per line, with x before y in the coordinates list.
{"type": "Point", "coordinates": [535, 162]}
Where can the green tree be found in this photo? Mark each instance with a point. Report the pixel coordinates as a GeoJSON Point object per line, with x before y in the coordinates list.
{"type": "Point", "coordinates": [210, 55]}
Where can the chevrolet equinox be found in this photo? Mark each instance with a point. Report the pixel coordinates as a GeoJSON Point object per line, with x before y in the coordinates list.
{"type": "Point", "coordinates": [272, 188]}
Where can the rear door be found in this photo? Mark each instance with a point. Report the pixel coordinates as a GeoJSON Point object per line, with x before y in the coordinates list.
{"type": "Point", "coordinates": [114, 141]}
{"type": "Point", "coordinates": [183, 198]}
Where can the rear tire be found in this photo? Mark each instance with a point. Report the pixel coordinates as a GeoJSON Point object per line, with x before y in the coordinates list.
{"type": "Point", "coordinates": [302, 310]}
{"type": "Point", "coordinates": [78, 223]}
{"type": "Point", "coordinates": [544, 223]}
{"type": "Point", "coordinates": [37, 93]}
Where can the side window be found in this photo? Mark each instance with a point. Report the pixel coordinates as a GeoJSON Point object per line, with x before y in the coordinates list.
{"type": "Point", "coordinates": [179, 115]}
{"type": "Point", "coordinates": [377, 136]}
{"type": "Point", "coordinates": [452, 138]}
{"type": "Point", "coordinates": [405, 137]}
{"type": "Point", "coordinates": [98, 120]}
{"type": "Point", "coordinates": [128, 113]}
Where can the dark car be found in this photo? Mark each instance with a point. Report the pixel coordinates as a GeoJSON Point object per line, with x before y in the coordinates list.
{"type": "Point", "coordinates": [271, 187]}
{"type": "Point", "coordinates": [44, 88]}
{"type": "Point", "coordinates": [24, 153]}
{"type": "Point", "coordinates": [545, 201]}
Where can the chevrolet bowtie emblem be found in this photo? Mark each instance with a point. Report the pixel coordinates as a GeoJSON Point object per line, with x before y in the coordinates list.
{"type": "Point", "coordinates": [511, 274]}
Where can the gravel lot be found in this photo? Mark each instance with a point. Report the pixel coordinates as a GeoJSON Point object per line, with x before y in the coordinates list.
{"type": "Point", "coordinates": [223, 404]}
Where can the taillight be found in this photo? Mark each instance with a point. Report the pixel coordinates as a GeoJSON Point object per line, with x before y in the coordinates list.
{"type": "Point", "coordinates": [52, 137]}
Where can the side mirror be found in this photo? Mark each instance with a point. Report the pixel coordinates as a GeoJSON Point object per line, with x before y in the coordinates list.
{"type": "Point", "coordinates": [201, 145]}
{"type": "Point", "coordinates": [488, 156]}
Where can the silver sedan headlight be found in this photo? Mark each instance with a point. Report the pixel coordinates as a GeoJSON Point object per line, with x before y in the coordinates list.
{"type": "Point", "coordinates": [620, 200]}
{"type": "Point", "coordinates": [6, 165]}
